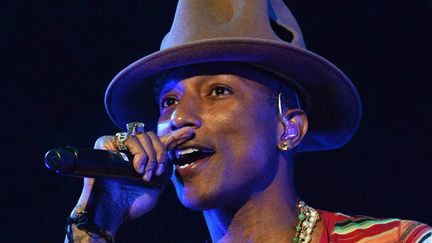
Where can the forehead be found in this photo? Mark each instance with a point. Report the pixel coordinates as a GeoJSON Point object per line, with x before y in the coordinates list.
{"type": "Point", "coordinates": [170, 78]}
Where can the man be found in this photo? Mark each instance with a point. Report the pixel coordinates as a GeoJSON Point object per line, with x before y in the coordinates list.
{"type": "Point", "coordinates": [235, 102]}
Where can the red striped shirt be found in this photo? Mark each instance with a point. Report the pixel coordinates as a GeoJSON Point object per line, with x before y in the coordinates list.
{"type": "Point", "coordinates": [342, 228]}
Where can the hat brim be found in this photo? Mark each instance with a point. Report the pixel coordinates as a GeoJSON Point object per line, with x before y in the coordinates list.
{"type": "Point", "coordinates": [335, 110]}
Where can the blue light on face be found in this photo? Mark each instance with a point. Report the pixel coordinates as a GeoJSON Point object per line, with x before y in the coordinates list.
{"type": "Point", "coordinates": [162, 127]}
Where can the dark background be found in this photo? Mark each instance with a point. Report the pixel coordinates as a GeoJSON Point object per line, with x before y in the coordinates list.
{"type": "Point", "coordinates": [57, 58]}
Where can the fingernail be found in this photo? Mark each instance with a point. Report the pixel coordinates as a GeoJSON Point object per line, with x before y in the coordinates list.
{"type": "Point", "coordinates": [148, 175]}
{"type": "Point", "coordinates": [160, 169]}
{"type": "Point", "coordinates": [141, 169]}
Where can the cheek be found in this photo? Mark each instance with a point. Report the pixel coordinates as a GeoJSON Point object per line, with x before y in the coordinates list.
{"type": "Point", "coordinates": [163, 127]}
{"type": "Point", "coordinates": [245, 132]}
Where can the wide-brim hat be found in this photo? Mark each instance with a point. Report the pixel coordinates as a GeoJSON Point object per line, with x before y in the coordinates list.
{"type": "Point", "coordinates": [206, 31]}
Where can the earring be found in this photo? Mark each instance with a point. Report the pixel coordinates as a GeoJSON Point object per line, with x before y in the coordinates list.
{"type": "Point", "coordinates": [284, 146]}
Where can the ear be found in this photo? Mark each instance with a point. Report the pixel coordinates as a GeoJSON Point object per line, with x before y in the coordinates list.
{"type": "Point", "coordinates": [293, 127]}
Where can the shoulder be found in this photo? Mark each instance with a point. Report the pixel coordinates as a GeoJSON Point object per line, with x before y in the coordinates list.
{"type": "Point", "coordinates": [344, 228]}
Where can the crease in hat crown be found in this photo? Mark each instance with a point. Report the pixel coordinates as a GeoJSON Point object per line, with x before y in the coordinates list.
{"type": "Point", "coordinates": [205, 31]}
{"type": "Point", "coordinates": [229, 19]}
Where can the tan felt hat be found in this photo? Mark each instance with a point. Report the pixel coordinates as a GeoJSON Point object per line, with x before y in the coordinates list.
{"type": "Point", "coordinates": [247, 31]}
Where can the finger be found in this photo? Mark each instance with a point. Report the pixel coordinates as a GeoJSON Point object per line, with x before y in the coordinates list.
{"type": "Point", "coordinates": [176, 137]}
{"type": "Point", "coordinates": [106, 143]}
{"type": "Point", "coordinates": [112, 143]}
{"type": "Point", "coordinates": [140, 156]}
{"type": "Point", "coordinates": [147, 144]}
{"type": "Point", "coordinates": [161, 153]}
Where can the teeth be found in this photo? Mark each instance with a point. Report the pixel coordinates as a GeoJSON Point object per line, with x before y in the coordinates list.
{"type": "Point", "coordinates": [185, 165]}
{"type": "Point", "coordinates": [186, 151]}
{"type": "Point", "coordinates": [184, 156]}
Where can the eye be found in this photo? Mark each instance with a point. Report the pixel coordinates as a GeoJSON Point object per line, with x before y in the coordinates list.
{"type": "Point", "coordinates": [168, 101]}
{"type": "Point", "coordinates": [220, 90]}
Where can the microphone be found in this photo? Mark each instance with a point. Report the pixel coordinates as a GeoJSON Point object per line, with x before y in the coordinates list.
{"type": "Point", "coordinates": [96, 163]}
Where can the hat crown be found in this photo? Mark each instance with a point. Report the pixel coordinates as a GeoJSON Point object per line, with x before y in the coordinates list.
{"type": "Point", "coordinates": [197, 20]}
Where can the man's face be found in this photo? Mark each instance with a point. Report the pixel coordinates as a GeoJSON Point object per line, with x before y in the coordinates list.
{"type": "Point", "coordinates": [234, 150]}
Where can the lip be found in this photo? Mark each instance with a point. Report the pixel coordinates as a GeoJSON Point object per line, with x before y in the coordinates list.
{"type": "Point", "coordinates": [193, 169]}
{"type": "Point", "coordinates": [188, 146]}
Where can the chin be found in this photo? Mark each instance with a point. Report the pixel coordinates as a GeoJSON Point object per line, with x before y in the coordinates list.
{"type": "Point", "coordinates": [199, 200]}
{"type": "Point", "coordinates": [194, 205]}
{"type": "Point", "coordinates": [206, 200]}
{"type": "Point", "coordinates": [193, 200]}
{"type": "Point", "coordinates": [201, 194]}
{"type": "Point", "coordinates": [195, 196]}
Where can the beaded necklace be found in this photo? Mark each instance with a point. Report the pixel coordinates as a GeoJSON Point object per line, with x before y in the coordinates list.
{"type": "Point", "coordinates": [307, 217]}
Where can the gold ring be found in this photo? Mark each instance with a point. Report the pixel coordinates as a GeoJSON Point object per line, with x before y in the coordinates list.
{"type": "Point", "coordinates": [121, 138]}
{"type": "Point", "coordinates": [135, 128]}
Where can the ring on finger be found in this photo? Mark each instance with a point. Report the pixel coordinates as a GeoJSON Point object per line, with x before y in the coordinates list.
{"type": "Point", "coordinates": [135, 128]}
{"type": "Point", "coordinates": [121, 138]}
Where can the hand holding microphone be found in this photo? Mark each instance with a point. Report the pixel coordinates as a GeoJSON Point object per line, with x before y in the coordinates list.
{"type": "Point", "coordinates": [114, 196]}
{"type": "Point", "coordinates": [132, 155]}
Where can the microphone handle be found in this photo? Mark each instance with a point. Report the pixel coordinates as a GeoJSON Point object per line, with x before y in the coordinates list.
{"type": "Point", "coordinates": [96, 163]}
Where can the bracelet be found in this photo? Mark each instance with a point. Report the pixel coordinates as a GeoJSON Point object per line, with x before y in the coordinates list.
{"type": "Point", "coordinates": [82, 222]}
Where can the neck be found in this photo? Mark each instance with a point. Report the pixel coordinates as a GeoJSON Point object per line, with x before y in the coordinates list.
{"type": "Point", "coordinates": [269, 215]}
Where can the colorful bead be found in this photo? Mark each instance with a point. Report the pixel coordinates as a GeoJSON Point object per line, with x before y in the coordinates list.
{"type": "Point", "coordinates": [307, 217]}
{"type": "Point", "coordinates": [301, 217]}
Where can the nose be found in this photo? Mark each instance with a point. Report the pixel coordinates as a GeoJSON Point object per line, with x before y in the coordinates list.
{"type": "Point", "coordinates": [186, 113]}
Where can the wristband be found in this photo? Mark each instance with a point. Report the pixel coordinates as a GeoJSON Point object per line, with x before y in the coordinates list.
{"type": "Point", "coordinates": [82, 222]}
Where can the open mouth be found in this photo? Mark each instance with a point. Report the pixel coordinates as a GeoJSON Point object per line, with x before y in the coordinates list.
{"type": "Point", "coordinates": [185, 157]}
